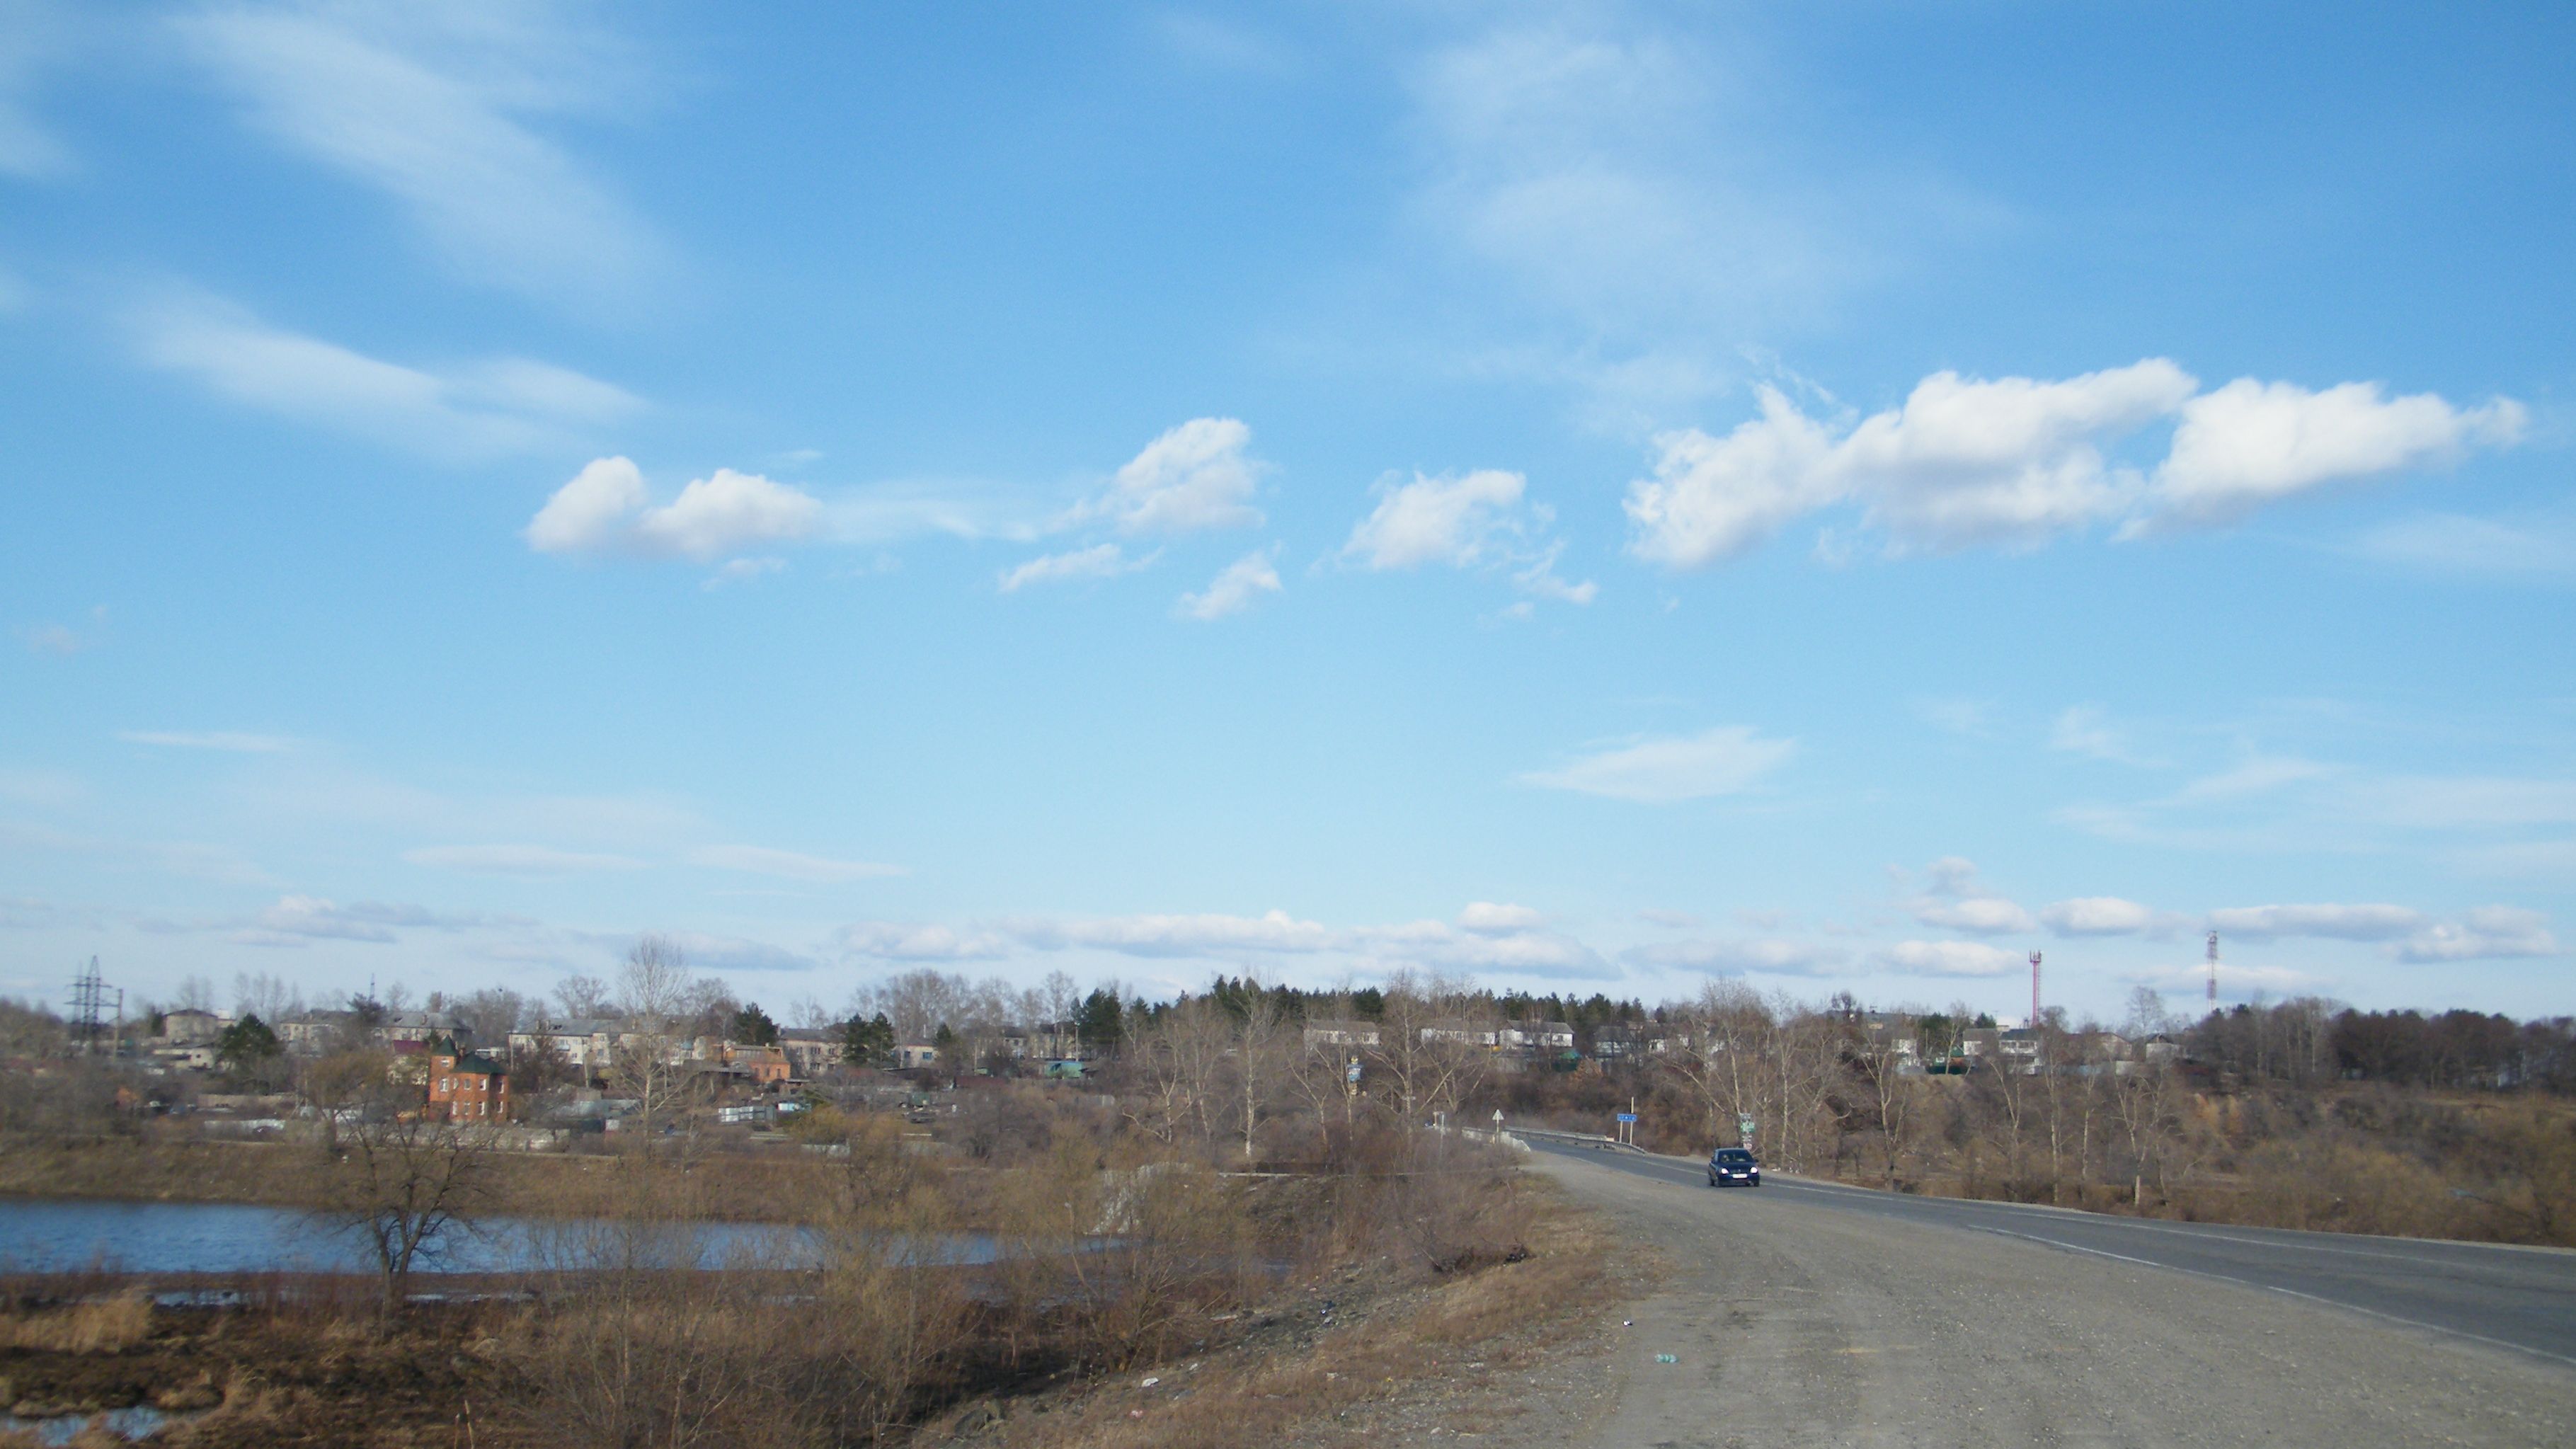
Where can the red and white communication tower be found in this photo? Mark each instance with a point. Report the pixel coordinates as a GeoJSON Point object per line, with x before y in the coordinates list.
{"type": "Point", "coordinates": [2213, 970]}
{"type": "Point", "coordinates": [2034, 988]}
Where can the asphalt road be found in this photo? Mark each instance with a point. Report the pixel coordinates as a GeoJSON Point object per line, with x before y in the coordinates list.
{"type": "Point", "coordinates": [2517, 1298]}
{"type": "Point", "coordinates": [1806, 1314]}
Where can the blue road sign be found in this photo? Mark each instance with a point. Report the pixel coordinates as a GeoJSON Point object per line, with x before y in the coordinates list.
{"type": "Point", "coordinates": [1627, 1116]}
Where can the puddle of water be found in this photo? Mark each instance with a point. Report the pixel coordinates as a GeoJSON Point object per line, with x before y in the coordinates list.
{"type": "Point", "coordinates": [139, 1422]}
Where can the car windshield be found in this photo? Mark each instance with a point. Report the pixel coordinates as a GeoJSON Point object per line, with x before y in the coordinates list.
{"type": "Point", "coordinates": [1734, 1155]}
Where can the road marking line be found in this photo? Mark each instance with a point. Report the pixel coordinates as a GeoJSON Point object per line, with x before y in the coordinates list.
{"type": "Point", "coordinates": [2286, 1292]}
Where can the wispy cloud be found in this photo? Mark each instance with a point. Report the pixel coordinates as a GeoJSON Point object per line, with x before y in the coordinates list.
{"type": "Point", "coordinates": [1101, 561]}
{"type": "Point", "coordinates": [605, 508]}
{"type": "Point", "coordinates": [438, 107]}
{"type": "Point", "coordinates": [1235, 588]}
{"type": "Point", "coordinates": [498, 406]}
{"type": "Point", "coordinates": [1724, 761]}
{"type": "Point", "coordinates": [540, 861]}
{"type": "Point", "coordinates": [226, 741]}
{"type": "Point", "coordinates": [789, 864]}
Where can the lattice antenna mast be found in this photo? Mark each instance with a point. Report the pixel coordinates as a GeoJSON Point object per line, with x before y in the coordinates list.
{"type": "Point", "coordinates": [2034, 988]}
{"type": "Point", "coordinates": [2213, 970]}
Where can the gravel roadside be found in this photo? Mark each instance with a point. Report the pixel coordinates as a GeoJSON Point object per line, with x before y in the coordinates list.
{"type": "Point", "coordinates": [1787, 1324]}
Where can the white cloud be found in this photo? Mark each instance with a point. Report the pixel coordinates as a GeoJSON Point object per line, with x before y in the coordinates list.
{"type": "Point", "coordinates": [296, 919]}
{"type": "Point", "coordinates": [2233, 980]}
{"type": "Point", "coordinates": [2459, 546]}
{"type": "Point", "coordinates": [507, 405]}
{"type": "Point", "coordinates": [2012, 462]}
{"type": "Point", "coordinates": [2257, 776]}
{"type": "Point", "coordinates": [1539, 579]}
{"type": "Point", "coordinates": [32, 34]}
{"type": "Point", "coordinates": [789, 864]}
{"type": "Point", "coordinates": [1177, 935]}
{"type": "Point", "coordinates": [895, 941]}
{"type": "Point", "coordinates": [1722, 761]}
{"type": "Point", "coordinates": [1978, 915]}
{"type": "Point", "coordinates": [2484, 934]}
{"type": "Point", "coordinates": [1735, 957]}
{"type": "Point", "coordinates": [604, 508]}
{"type": "Point", "coordinates": [1446, 519]}
{"type": "Point", "coordinates": [520, 860]}
{"type": "Point", "coordinates": [1194, 477]}
{"type": "Point", "coordinates": [2100, 916]}
{"type": "Point", "coordinates": [2086, 729]}
{"type": "Point", "coordinates": [2253, 443]}
{"type": "Point", "coordinates": [432, 105]}
{"type": "Point", "coordinates": [1947, 958]}
{"type": "Point", "coordinates": [1103, 561]}
{"type": "Point", "coordinates": [1491, 918]}
{"type": "Point", "coordinates": [1234, 588]}
{"type": "Point", "coordinates": [2337, 922]}
{"type": "Point", "coordinates": [227, 741]}
{"type": "Point", "coordinates": [1712, 499]}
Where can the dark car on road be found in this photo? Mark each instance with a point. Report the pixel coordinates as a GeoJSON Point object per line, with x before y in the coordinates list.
{"type": "Point", "coordinates": [1728, 1166]}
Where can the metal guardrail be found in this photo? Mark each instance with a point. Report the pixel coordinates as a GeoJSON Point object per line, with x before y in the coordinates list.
{"type": "Point", "coordinates": [1593, 1140]}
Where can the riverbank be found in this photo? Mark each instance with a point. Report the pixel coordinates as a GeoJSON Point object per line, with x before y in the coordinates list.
{"type": "Point", "coordinates": [1346, 1337]}
{"type": "Point", "coordinates": [771, 1185]}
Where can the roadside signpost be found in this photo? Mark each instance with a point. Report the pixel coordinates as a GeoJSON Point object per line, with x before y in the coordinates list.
{"type": "Point", "coordinates": [1628, 1128]}
{"type": "Point", "coordinates": [1744, 1129]}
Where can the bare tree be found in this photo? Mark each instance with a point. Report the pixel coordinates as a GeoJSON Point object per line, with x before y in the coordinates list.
{"type": "Point", "coordinates": [267, 997]}
{"type": "Point", "coordinates": [583, 998]}
{"type": "Point", "coordinates": [196, 993]}
{"type": "Point", "coordinates": [654, 1001]}
{"type": "Point", "coordinates": [1262, 1041]}
{"type": "Point", "coordinates": [402, 1184]}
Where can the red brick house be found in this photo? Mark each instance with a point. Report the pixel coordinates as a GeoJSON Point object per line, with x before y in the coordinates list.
{"type": "Point", "coordinates": [466, 1086]}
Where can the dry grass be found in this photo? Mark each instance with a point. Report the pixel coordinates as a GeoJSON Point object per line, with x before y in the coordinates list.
{"type": "Point", "coordinates": [1496, 1314]}
{"type": "Point", "coordinates": [107, 1326]}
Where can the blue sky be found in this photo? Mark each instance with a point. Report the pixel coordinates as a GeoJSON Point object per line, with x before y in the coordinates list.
{"type": "Point", "coordinates": [1595, 496]}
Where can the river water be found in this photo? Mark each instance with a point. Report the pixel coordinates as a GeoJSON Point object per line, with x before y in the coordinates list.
{"type": "Point", "coordinates": [57, 1235]}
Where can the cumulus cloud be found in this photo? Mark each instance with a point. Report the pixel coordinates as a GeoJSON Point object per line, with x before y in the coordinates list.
{"type": "Point", "coordinates": [1103, 561]}
{"type": "Point", "coordinates": [2484, 934]}
{"type": "Point", "coordinates": [606, 509]}
{"type": "Point", "coordinates": [789, 864]}
{"type": "Point", "coordinates": [1723, 761]}
{"type": "Point", "coordinates": [1946, 958]}
{"type": "Point", "coordinates": [1490, 918]}
{"type": "Point", "coordinates": [1234, 588]}
{"type": "Point", "coordinates": [2099, 916]}
{"type": "Point", "coordinates": [2252, 443]}
{"type": "Point", "coordinates": [520, 860]}
{"type": "Point", "coordinates": [2012, 462]}
{"type": "Point", "coordinates": [1196, 476]}
{"type": "Point", "coordinates": [1978, 915]}
{"type": "Point", "coordinates": [2336, 922]}
{"type": "Point", "coordinates": [499, 406]}
{"type": "Point", "coordinates": [1447, 519]}
{"type": "Point", "coordinates": [1465, 521]}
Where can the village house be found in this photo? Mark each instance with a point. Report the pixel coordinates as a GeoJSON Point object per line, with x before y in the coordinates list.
{"type": "Point", "coordinates": [916, 1054]}
{"type": "Point", "coordinates": [1464, 1033]}
{"type": "Point", "coordinates": [466, 1086]}
{"type": "Point", "coordinates": [1537, 1036]}
{"type": "Point", "coordinates": [1341, 1034]}
{"type": "Point", "coordinates": [188, 1026]}
{"type": "Point", "coordinates": [811, 1051]}
{"type": "Point", "coordinates": [763, 1068]}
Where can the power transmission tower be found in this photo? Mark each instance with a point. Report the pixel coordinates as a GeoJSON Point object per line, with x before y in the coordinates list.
{"type": "Point", "coordinates": [89, 1006]}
